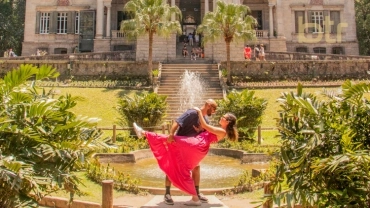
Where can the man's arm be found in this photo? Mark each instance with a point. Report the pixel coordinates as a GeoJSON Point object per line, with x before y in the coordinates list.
{"type": "Point", "coordinates": [173, 129]}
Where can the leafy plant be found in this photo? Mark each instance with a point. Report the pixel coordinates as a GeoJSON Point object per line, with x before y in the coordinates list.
{"type": "Point", "coordinates": [41, 140]}
{"type": "Point", "coordinates": [147, 109]}
{"type": "Point", "coordinates": [155, 72]}
{"type": "Point", "coordinates": [98, 172]}
{"type": "Point", "coordinates": [224, 72]}
{"type": "Point", "coordinates": [151, 17]}
{"type": "Point", "coordinates": [325, 148]}
{"type": "Point", "coordinates": [247, 108]}
{"type": "Point", "coordinates": [229, 22]}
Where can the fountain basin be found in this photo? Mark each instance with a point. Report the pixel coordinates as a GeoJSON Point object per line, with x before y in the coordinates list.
{"type": "Point", "coordinates": [219, 165]}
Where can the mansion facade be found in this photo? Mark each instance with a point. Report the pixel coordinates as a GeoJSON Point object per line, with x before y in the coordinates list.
{"type": "Point", "coordinates": [312, 26]}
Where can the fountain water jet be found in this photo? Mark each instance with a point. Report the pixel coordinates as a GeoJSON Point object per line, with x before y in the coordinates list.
{"type": "Point", "coordinates": [191, 91]}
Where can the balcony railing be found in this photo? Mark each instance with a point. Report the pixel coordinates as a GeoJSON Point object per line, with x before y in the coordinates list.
{"type": "Point", "coordinates": [262, 33]}
{"type": "Point", "coordinates": [259, 34]}
{"type": "Point", "coordinates": [118, 34]}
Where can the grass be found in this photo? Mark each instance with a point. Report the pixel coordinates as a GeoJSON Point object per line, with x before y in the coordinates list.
{"type": "Point", "coordinates": [100, 102]}
{"type": "Point", "coordinates": [92, 192]}
{"type": "Point", "coordinates": [97, 102]}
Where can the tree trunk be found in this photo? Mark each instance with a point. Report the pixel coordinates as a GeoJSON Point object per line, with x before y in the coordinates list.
{"type": "Point", "coordinates": [150, 57]}
{"type": "Point", "coordinates": [228, 61]}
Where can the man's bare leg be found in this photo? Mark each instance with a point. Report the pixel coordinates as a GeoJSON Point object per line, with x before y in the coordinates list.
{"type": "Point", "coordinates": [195, 174]}
{"type": "Point", "coordinates": [167, 195]}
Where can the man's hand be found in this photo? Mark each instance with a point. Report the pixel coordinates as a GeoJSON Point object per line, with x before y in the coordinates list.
{"type": "Point", "coordinates": [198, 129]}
{"type": "Point", "coordinates": [170, 138]}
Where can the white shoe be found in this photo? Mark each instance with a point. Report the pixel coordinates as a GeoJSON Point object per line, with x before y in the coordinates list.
{"type": "Point", "coordinates": [138, 130]}
{"type": "Point", "coordinates": [193, 203]}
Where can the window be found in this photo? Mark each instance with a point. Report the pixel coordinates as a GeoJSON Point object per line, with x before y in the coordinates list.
{"type": "Point", "coordinates": [335, 18]}
{"type": "Point", "coordinates": [299, 21]}
{"type": "Point", "coordinates": [77, 23]}
{"type": "Point", "coordinates": [319, 50]}
{"type": "Point", "coordinates": [123, 16]}
{"type": "Point", "coordinates": [62, 22]}
{"type": "Point", "coordinates": [258, 16]}
{"type": "Point", "coordinates": [301, 50]}
{"type": "Point", "coordinates": [44, 23]}
{"type": "Point", "coordinates": [317, 18]}
{"type": "Point", "coordinates": [338, 50]}
{"type": "Point", "coordinates": [60, 50]}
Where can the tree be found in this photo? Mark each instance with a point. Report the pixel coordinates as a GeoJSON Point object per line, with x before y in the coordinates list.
{"type": "Point", "coordinates": [230, 21]}
{"type": "Point", "coordinates": [150, 17]}
{"type": "Point", "coordinates": [362, 8]}
{"type": "Point", "coordinates": [12, 14]}
{"type": "Point", "coordinates": [41, 140]}
{"type": "Point", "coordinates": [325, 146]}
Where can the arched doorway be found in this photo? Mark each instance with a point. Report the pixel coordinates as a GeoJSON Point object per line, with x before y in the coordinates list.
{"type": "Point", "coordinates": [191, 18]}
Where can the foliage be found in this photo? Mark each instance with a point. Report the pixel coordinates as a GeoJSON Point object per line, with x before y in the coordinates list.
{"type": "Point", "coordinates": [325, 148]}
{"type": "Point", "coordinates": [126, 144]}
{"type": "Point", "coordinates": [247, 108]}
{"type": "Point", "coordinates": [12, 15]}
{"type": "Point", "coordinates": [247, 183]}
{"type": "Point", "coordinates": [133, 82]}
{"type": "Point", "coordinates": [224, 72]}
{"type": "Point", "coordinates": [97, 172]}
{"type": "Point", "coordinates": [229, 21]}
{"type": "Point", "coordinates": [150, 17]}
{"type": "Point", "coordinates": [362, 8]}
{"type": "Point", "coordinates": [147, 109]}
{"type": "Point", "coordinates": [248, 146]}
{"type": "Point", "coordinates": [155, 72]}
{"type": "Point", "coordinates": [41, 140]}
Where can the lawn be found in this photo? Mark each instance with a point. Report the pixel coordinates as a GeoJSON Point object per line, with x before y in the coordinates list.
{"type": "Point", "coordinates": [102, 103]}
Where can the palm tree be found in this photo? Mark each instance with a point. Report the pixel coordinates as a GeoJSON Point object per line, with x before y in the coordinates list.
{"type": "Point", "coordinates": [41, 139]}
{"type": "Point", "coordinates": [150, 17]}
{"type": "Point", "coordinates": [230, 21]}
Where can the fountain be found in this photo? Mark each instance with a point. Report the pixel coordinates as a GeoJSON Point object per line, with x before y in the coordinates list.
{"type": "Point", "coordinates": [220, 169]}
{"type": "Point", "coordinates": [191, 91]}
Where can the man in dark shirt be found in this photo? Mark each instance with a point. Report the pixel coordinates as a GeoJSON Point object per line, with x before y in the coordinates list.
{"type": "Point", "coordinates": [188, 125]}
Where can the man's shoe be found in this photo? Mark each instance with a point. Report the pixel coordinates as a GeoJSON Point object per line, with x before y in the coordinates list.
{"type": "Point", "coordinates": [138, 130]}
{"type": "Point", "coordinates": [168, 199]}
{"type": "Point", "coordinates": [193, 203]}
{"type": "Point", "coordinates": [202, 198]}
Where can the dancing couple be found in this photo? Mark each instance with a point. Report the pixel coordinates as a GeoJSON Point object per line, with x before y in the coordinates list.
{"type": "Point", "coordinates": [178, 155]}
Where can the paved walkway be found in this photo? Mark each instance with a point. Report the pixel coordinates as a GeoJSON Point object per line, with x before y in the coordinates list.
{"type": "Point", "coordinates": [156, 201]}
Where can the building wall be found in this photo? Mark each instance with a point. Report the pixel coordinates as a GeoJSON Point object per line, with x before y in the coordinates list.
{"type": "Point", "coordinates": [346, 39]}
{"type": "Point", "coordinates": [33, 41]}
{"type": "Point", "coordinates": [286, 38]}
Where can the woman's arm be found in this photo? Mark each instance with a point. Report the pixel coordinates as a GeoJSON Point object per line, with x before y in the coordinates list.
{"type": "Point", "coordinates": [219, 132]}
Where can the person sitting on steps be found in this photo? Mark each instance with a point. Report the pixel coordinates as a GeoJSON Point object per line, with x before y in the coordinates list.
{"type": "Point", "coordinates": [185, 51]}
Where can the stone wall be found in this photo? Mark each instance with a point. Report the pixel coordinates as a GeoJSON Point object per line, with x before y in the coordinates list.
{"type": "Point", "coordinates": [86, 70]}
{"type": "Point", "coordinates": [164, 48]}
{"type": "Point", "coordinates": [299, 70]}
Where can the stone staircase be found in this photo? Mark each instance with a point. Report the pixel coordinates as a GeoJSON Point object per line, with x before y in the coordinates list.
{"type": "Point", "coordinates": [170, 85]}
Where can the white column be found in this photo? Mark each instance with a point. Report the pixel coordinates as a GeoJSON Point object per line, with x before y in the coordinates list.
{"type": "Point", "coordinates": [107, 32]}
{"type": "Point", "coordinates": [214, 5]}
{"type": "Point", "coordinates": [173, 15]}
{"type": "Point", "coordinates": [99, 19]}
{"type": "Point", "coordinates": [206, 7]}
{"type": "Point", "coordinates": [271, 20]}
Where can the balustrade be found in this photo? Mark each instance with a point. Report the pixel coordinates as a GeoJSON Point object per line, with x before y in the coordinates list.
{"type": "Point", "coordinates": [262, 33]}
